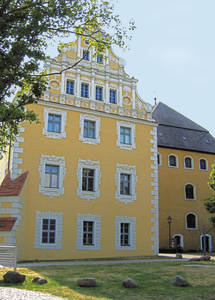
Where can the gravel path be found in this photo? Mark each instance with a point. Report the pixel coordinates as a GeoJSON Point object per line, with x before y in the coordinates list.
{"type": "Point", "coordinates": [17, 294]}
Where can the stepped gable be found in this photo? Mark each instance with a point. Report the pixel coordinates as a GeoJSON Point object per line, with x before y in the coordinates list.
{"type": "Point", "coordinates": [178, 132]}
{"type": "Point", "coordinates": [13, 187]}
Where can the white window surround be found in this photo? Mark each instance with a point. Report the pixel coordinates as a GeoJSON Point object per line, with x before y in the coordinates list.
{"type": "Point", "coordinates": [181, 239]}
{"type": "Point", "coordinates": [130, 170]}
{"type": "Point", "coordinates": [132, 146]}
{"type": "Point", "coordinates": [206, 164]}
{"type": "Point", "coordinates": [194, 191]}
{"type": "Point", "coordinates": [89, 164]}
{"type": "Point", "coordinates": [176, 157]}
{"type": "Point", "coordinates": [54, 135]}
{"type": "Point", "coordinates": [192, 163]}
{"type": "Point", "coordinates": [52, 160]}
{"type": "Point", "coordinates": [132, 233]}
{"type": "Point", "coordinates": [96, 232]}
{"type": "Point", "coordinates": [58, 232]}
{"type": "Point", "coordinates": [209, 240]}
{"type": "Point", "coordinates": [92, 141]}
{"type": "Point", "coordinates": [196, 219]}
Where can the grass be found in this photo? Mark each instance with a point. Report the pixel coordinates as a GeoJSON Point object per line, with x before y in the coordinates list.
{"type": "Point", "coordinates": [153, 281]}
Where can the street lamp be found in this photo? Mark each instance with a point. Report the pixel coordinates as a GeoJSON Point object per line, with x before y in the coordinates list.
{"type": "Point", "coordinates": [169, 219]}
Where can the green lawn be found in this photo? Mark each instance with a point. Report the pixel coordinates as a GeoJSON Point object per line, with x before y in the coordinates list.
{"type": "Point", "coordinates": [153, 280]}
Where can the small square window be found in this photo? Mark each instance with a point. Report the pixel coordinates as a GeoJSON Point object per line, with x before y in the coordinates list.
{"type": "Point", "coordinates": [88, 180]}
{"type": "Point", "coordinates": [86, 55]}
{"type": "Point", "coordinates": [51, 176]}
{"type": "Point", "coordinates": [125, 184]}
{"type": "Point", "coordinates": [89, 129]}
{"type": "Point", "coordinates": [100, 59]}
{"type": "Point", "coordinates": [54, 123]}
{"type": "Point", "coordinates": [70, 87]}
{"type": "Point", "coordinates": [125, 135]}
{"type": "Point", "coordinates": [113, 96]}
{"type": "Point", "coordinates": [84, 90]}
{"type": "Point", "coordinates": [99, 93]}
{"type": "Point", "coordinates": [88, 233]}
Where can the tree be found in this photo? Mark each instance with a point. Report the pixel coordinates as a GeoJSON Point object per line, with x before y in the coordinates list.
{"type": "Point", "coordinates": [26, 26]}
{"type": "Point", "coordinates": [210, 202]}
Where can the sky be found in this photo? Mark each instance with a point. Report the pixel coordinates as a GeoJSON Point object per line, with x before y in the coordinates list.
{"type": "Point", "coordinates": [172, 54]}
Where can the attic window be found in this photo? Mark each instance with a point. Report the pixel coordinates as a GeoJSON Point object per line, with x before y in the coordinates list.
{"type": "Point", "coordinates": [160, 134]}
{"type": "Point", "coordinates": [184, 138]}
{"type": "Point", "coordinates": [207, 141]}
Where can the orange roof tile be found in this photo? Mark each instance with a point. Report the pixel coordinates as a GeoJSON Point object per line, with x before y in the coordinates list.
{"type": "Point", "coordinates": [13, 187]}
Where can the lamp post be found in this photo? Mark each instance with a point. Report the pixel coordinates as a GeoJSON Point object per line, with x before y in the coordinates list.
{"type": "Point", "coordinates": [169, 219]}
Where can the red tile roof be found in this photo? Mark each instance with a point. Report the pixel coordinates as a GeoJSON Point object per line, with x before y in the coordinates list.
{"type": "Point", "coordinates": [13, 187]}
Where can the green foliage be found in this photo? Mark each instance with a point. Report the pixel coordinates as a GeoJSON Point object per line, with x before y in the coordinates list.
{"type": "Point", "coordinates": [26, 26]}
{"type": "Point", "coordinates": [210, 202]}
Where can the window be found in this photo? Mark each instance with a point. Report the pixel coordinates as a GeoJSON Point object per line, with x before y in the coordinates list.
{"type": "Point", "coordinates": [179, 238]}
{"type": "Point", "coordinates": [70, 87]}
{"type": "Point", "coordinates": [88, 180]}
{"type": "Point", "coordinates": [84, 90]}
{"type": "Point", "coordinates": [203, 164]}
{"type": "Point", "coordinates": [48, 231]}
{"type": "Point", "coordinates": [125, 182]}
{"type": "Point", "coordinates": [99, 93]}
{"type": "Point", "coordinates": [172, 161]}
{"type": "Point", "coordinates": [189, 192]}
{"type": "Point", "coordinates": [159, 159]}
{"type": "Point", "coordinates": [188, 163]}
{"type": "Point", "coordinates": [51, 176]}
{"type": "Point", "coordinates": [125, 233]}
{"type": "Point", "coordinates": [112, 98]}
{"type": "Point", "coordinates": [125, 135]}
{"type": "Point", "coordinates": [89, 129]}
{"type": "Point", "coordinates": [100, 59]}
{"type": "Point", "coordinates": [191, 221]}
{"type": "Point", "coordinates": [88, 233]}
{"type": "Point", "coordinates": [52, 171]}
{"type": "Point", "coordinates": [86, 55]}
{"type": "Point", "coordinates": [54, 123]}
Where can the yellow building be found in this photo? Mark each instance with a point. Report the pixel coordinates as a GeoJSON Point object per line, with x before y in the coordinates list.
{"type": "Point", "coordinates": [186, 152]}
{"type": "Point", "coordinates": [92, 187]}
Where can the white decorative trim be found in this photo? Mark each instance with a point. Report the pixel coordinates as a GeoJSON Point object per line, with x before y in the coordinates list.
{"type": "Point", "coordinates": [52, 160]}
{"type": "Point", "coordinates": [176, 158]}
{"type": "Point", "coordinates": [89, 164]}
{"type": "Point", "coordinates": [209, 240]}
{"type": "Point", "coordinates": [96, 232]}
{"type": "Point", "coordinates": [132, 127]}
{"type": "Point", "coordinates": [192, 162]}
{"type": "Point", "coordinates": [181, 239]}
{"type": "Point", "coordinates": [206, 164]}
{"type": "Point", "coordinates": [54, 135]}
{"type": "Point", "coordinates": [92, 141]}
{"type": "Point", "coordinates": [194, 191]}
{"type": "Point", "coordinates": [196, 221]}
{"type": "Point", "coordinates": [38, 230]}
{"type": "Point", "coordinates": [130, 170]}
{"type": "Point", "coordinates": [132, 233]}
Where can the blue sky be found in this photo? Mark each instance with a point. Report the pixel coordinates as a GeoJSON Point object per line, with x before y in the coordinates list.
{"type": "Point", "coordinates": [172, 54]}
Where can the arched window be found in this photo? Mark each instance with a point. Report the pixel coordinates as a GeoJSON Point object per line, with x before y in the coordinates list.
{"type": "Point", "coordinates": [203, 164]}
{"type": "Point", "coordinates": [208, 242]}
{"type": "Point", "coordinates": [179, 240]}
{"type": "Point", "coordinates": [189, 192]}
{"type": "Point", "coordinates": [188, 163]}
{"type": "Point", "coordinates": [172, 161]}
{"type": "Point", "coordinates": [191, 221]}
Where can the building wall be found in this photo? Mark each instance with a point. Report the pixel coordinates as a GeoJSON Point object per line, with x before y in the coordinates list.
{"type": "Point", "coordinates": [172, 201]}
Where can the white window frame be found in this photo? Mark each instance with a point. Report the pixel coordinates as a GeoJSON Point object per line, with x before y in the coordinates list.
{"type": "Point", "coordinates": [181, 240]}
{"type": "Point", "coordinates": [96, 232]}
{"type": "Point", "coordinates": [176, 160]}
{"type": "Point", "coordinates": [196, 219]}
{"type": "Point", "coordinates": [85, 140]}
{"type": "Point", "coordinates": [130, 170]}
{"type": "Point", "coordinates": [194, 191]}
{"type": "Point", "coordinates": [89, 164]}
{"type": "Point", "coordinates": [38, 230]}
{"type": "Point", "coordinates": [210, 242]}
{"type": "Point", "coordinates": [206, 164]}
{"type": "Point", "coordinates": [192, 163]}
{"type": "Point", "coordinates": [54, 135]}
{"type": "Point", "coordinates": [132, 233]}
{"type": "Point", "coordinates": [55, 161]}
{"type": "Point", "coordinates": [132, 127]}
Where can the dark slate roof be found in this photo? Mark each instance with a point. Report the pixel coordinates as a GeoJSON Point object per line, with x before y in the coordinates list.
{"type": "Point", "coordinates": [177, 131]}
